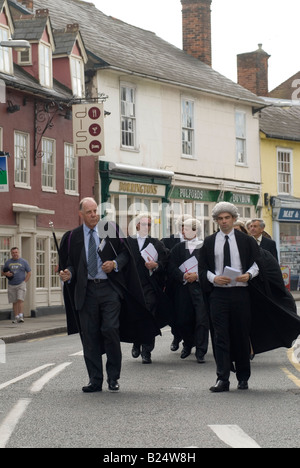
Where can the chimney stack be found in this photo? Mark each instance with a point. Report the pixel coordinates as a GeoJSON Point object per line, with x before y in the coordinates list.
{"type": "Point", "coordinates": [253, 71]}
{"type": "Point", "coordinates": [196, 27]}
{"type": "Point", "coordinates": [27, 3]}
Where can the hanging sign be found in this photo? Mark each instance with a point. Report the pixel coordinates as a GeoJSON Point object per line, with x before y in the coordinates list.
{"type": "Point", "coordinates": [3, 174]}
{"type": "Point", "coordinates": [88, 129]}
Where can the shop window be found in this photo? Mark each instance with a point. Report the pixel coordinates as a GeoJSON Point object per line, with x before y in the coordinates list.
{"type": "Point", "coordinates": [40, 263]}
{"type": "Point", "coordinates": [5, 246]}
{"type": "Point", "coordinates": [284, 159]}
{"type": "Point", "coordinates": [54, 278]}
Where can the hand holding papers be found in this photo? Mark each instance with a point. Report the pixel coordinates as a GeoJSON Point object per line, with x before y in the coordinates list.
{"type": "Point", "coordinates": [150, 255]}
{"type": "Point", "coordinates": [189, 266]}
{"type": "Point", "coordinates": [233, 274]}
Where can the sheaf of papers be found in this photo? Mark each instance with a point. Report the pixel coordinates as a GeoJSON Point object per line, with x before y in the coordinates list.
{"type": "Point", "coordinates": [149, 253]}
{"type": "Point", "coordinates": [232, 273]}
{"type": "Point", "coordinates": [189, 266]}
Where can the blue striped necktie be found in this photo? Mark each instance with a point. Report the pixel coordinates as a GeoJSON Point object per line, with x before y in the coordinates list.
{"type": "Point", "coordinates": [92, 256]}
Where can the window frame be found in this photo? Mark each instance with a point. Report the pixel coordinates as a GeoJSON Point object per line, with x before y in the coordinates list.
{"type": "Point", "coordinates": [26, 136]}
{"type": "Point", "coordinates": [67, 169]}
{"type": "Point", "coordinates": [45, 66]}
{"type": "Point", "coordinates": [281, 183]}
{"type": "Point", "coordinates": [127, 118]}
{"type": "Point", "coordinates": [5, 52]}
{"type": "Point", "coordinates": [52, 163]}
{"type": "Point", "coordinates": [77, 76]}
{"type": "Point", "coordinates": [241, 138]}
{"type": "Point", "coordinates": [187, 129]}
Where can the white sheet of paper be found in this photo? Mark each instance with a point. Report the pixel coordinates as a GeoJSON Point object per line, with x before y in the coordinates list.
{"type": "Point", "coordinates": [149, 252]}
{"type": "Point", "coordinates": [189, 266]}
{"type": "Point", "coordinates": [232, 273]}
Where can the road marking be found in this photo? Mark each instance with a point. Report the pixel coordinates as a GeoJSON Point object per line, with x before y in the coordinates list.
{"type": "Point", "coordinates": [234, 436]}
{"type": "Point", "coordinates": [24, 376]}
{"type": "Point", "coordinates": [11, 420]}
{"type": "Point", "coordinates": [39, 384]}
{"type": "Point", "coordinates": [291, 376]}
{"type": "Point", "coordinates": [294, 356]}
{"type": "Point", "coordinates": [80, 353]}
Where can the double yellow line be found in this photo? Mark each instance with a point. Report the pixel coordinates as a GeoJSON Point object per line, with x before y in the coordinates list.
{"type": "Point", "coordinates": [290, 375]}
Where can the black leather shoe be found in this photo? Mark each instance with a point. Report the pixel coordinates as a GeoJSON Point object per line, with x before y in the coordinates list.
{"type": "Point", "coordinates": [200, 357]}
{"type": "Point", "coordinates": [136, 351]}
{"type": "Point", "coordinates": [221, 386]}
{"type": "Point", "coordinates": [113, 385]}
{"type": "Point", "coordinates": [175, 344]}
{"type": "Point", "coordinates": [243, 385]}
{"type": "Point", "coordinates": [90, 388]}
{"type": "Point", "coordinates": [185, 352]}
{"type": "Point", "coordinates": [146, 358]}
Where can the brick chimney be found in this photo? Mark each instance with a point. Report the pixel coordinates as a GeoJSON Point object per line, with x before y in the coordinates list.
{"type": "Point", "coordinates": [196, 27]}
{"type": "Point", "coordinates": [253, 71]}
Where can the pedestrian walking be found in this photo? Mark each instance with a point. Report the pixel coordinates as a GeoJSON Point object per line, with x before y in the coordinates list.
{"type": "Point", "coordinates": [18, 273]}
{"type": "Point", "coordinates": [228, 263]}
{"type": "Point", "coordinates": [189, 308]}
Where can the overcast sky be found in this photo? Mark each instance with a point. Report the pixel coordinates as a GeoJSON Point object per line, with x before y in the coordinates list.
{"type": "Point", "coordinates": [238, 26]}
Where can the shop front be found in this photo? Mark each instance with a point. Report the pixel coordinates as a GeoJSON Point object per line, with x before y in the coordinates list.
{"type": "Point", "coordinates": [286, 231]}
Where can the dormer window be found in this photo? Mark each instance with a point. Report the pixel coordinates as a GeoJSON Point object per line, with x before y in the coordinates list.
{"type": "Point", "coordinates": [5, 53]}
{"type": "Point", "coordinates": [45, 64]}
{"type": "Point", "coordinates": [24, 57]}
{"type": "Point", "coordinates": [77, 73]}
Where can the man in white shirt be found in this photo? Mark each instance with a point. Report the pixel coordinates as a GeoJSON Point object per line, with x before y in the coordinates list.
{"type": "Point", "coordinates": [229, 299]}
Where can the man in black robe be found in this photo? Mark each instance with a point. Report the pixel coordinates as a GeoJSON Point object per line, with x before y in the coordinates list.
{"type": "Point", "coordinates": [189, 309]}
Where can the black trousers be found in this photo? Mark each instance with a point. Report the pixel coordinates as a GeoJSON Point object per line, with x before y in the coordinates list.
{"type": "Point", "coordinates": [99, 320]}
{"type": "Point", "coordinates": [231, 319]}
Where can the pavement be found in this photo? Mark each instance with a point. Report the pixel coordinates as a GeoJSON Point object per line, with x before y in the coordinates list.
{"type": "Point", "coordinates": [47, 325]}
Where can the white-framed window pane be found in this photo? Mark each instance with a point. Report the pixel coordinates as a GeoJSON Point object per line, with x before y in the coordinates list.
{"type": "Point", "coordinates": [40, 263]}
{"type": "Point", "coordinates": [48, 163]}
{"type": "Point", "coordinates": [284, 159]}
{"type": "Point", "coordinates": [54, 277]}
{"type": "Point", "coordinates": [128, 117]}
{"type": "Point", "coordinates": [71, 169]}
{"type": "Point", "coordinates": [21, 158]}
{"type": "Point", "coordinates": [77, 76]}
{"type": "Point", "coordinates": [45, 57]}
{"type": "Point", "coordinates": [241, 142]}
{"type": "Point", "coordinates": [5, 53]}
{"type": "Point", "coordinates": [188, 130]}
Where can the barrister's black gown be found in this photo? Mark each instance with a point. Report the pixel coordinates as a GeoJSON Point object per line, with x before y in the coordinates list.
{"type": "Point", "coordinates": [136, 323]}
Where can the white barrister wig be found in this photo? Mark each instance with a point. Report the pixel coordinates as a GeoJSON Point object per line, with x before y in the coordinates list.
{"type": "Point", "coordinates": [225, 207]}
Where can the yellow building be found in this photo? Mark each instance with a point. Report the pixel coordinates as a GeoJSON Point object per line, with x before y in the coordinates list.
{"type": "Point", "coordinates": [280, 169]}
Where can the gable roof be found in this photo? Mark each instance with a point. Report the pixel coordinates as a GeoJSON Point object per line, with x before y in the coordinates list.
{"type": "Point", "coordinates": [282, 123]}
{"type": "Point", "coordinates": [286, 89]}
{"type": "Point", "coordinates": [121, 46]}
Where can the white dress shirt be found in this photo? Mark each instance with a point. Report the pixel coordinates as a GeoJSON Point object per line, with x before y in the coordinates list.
{"type": "Point", "coordinates": [235, 260]}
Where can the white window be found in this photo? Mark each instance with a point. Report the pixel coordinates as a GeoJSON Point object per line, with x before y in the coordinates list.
{"type": "Point", "coordinates": [188, 130]}
{"type": "Point", "coordinates": [284, 161]}
{"type": "Point", "coordinates": [5, 53]}
{"type": "Point", "coordinates": [128, 117]}
{"type": "Point", "coordinates": [22, 163]}
{"type": "Point", "coordinates": [241, 143]}
{"type": "Point", "coordinates": [45, 65]}
{"type": "Point", "coordinates": [24, 57]}
{"type": "Point", "coordinates": [40, 263]}
{"type": "Point", "coordinates": [71, 170]}
{"type": "Point", "coordinates": [77, 73]}
{"type": "Point", "coordinates": [48, 164]}
{"type": "Point", "coordinates": [54, 260]}
{"type": "Point", "coordinates": [5, 246]}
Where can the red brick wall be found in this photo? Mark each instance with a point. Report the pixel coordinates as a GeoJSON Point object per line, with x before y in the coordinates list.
{"type": "Point", "coordinates": [196, 26]}
{"type": "Point", "coordinates": [253, 71]}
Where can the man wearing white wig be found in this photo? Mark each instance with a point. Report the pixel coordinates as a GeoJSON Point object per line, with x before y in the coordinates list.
{"type": "Point", "coordinates": [227, 265]}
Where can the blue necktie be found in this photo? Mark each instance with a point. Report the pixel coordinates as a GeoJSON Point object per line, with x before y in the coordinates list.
{"type": "Point", "coordinates": [92, 256]}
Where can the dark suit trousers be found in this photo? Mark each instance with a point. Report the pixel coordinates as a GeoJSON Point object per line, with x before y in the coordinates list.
{"type": "Point", "coordinates": [231, 318]}
{"type": "Point", "coordinates": [99, 320]}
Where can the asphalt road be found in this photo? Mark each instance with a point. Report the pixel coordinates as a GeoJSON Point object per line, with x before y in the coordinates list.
{"type": "Point", "coordinates": [163, 405]}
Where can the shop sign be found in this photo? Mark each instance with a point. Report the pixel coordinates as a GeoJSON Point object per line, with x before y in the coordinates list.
{"type": "Point", "coordinates": [289, 215]}
{"type": "Point", "coordinates": [190, 193]}
{"type": "Point", "coordinates": [88, 129]}
{"type": "Point", "coordinates": [3, 174]}
{"type": "Point", "coordinates": [137, 188]}
{"type": "Point", "coordinates": [241, 198]}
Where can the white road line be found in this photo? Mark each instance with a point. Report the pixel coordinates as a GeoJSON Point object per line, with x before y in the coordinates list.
{"type": "Point", "coordinates": [24, 376]}
{"type": "Point", "coordinates": [39, 384]}
{"type": "Point", "coordinates": [80, 353]}
{"type": "Point", "coordinates": [234, 436]}
{"type": "Point", "coordinates": [11, 420]}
